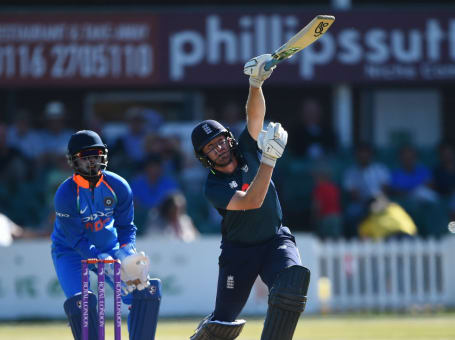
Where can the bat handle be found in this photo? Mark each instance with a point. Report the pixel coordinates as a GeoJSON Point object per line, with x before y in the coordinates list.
{"type": "Point", "coordinates": [269, 64]}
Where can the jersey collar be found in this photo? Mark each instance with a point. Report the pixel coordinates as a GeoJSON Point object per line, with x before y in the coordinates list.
{"type": "Point", "coordinates": [83, 183]}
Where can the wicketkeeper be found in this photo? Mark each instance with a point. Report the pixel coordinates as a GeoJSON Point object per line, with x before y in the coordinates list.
{"type": "Point", "coordinates": [254, 241]}
{"type": "Point", "coordinates": [94, 219]}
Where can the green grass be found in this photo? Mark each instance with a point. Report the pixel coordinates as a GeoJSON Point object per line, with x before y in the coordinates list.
{"type": "Point", "coordinates": [352, 327]}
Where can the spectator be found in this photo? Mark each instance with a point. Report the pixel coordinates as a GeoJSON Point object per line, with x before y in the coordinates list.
{"type": "Point", "coordinates": [56, 133]}
{"type": "Point", "coordinates": [13, 165]}
{"type": "Point", "coordinates": [444, 176]}
{"type": "Point", "coordinates": [23, 137]}
{"type": "Point", "coordinates": [152, 186]}
{"type": "Point", "coordinates": [326, 204]}
{"type": "Point", "coordinates": [412, 186]}
{"type": "Point", "coordinates": [363, 182]}
{"type": "Point", "coordinates": [412, 180]}
{"type": "Point", "coordinates": [52, 180]}
{"type": "Point", "coordinates": [18, 189]}
{"type": "Point", "coordinates": [311, 137]}
{"type": "Point", "coordinates": [386, 221]}
{"type": "Point", "coordinates": [168, 148]}
{"type": "Point", "coordinates": [232, 116]}
{"type": "Point", "coordinates": [172, 220]}
{"type": "Point", "coordinates": [129, 149]}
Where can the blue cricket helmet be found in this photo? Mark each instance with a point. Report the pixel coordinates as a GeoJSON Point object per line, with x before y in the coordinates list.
{"type": "Point", "coordinates": [82, 145]}
{"type": "Point", "coordinates": [203, 133]}
{"type": "Point", "coordinates": [83, 140]}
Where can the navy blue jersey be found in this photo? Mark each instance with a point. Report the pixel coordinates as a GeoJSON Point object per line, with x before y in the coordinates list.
{"type": "Point", "coordinates": [93, 221]}
{"type": "Point", "coordinates": [244, 226]}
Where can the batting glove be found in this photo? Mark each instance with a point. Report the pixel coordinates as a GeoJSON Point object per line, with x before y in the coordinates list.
{"type": "Point", "coordinates": [255, 69]}
{"type": "Point", "coordinates": [272, 143]}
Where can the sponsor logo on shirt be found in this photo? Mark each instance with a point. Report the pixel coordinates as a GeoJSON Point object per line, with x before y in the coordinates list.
{"type": "Point", "coordinates": [233, 184]}
{"type": "Point", "coordinates": [108, 201]}
{"type": "Point", "coordinates": [59, 214]}
{"type": "Point", "coordinates": [230, 282]}
{"type": "Point", "coordinates": [97, 215]}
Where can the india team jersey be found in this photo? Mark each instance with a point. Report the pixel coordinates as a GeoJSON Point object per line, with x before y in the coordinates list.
{"type": "Point", "coordinates": [244, 226]}
{"type": "Point", "coordinates": [93, 221]}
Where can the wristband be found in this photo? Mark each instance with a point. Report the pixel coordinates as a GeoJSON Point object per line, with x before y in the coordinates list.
{"type": "Point", "coordinates": [270, 161]}
{"type": "Point", "coordinates": [255, 82]}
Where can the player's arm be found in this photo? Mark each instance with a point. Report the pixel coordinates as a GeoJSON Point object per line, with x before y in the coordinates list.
{"type": "Point", "coordinates": [254, 196]}
{"type": "Point", "coordinates": [124, 212]}
{"type": "Point", "coordinates": [255, 111]}
{"type": "Point", "coordinates": [272, 143]}
{"type": "Point", "coordinates": [255, 105]}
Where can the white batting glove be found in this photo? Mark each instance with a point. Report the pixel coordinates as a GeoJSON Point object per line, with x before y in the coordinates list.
{"type": "Point", "coordinates": [272, 143]}
{"type": "Point", "coordinates": [255, 69]}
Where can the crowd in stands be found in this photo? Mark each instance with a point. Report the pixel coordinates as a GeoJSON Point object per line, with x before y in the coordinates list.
{"type": "Point", "coordinates": [333, 193]}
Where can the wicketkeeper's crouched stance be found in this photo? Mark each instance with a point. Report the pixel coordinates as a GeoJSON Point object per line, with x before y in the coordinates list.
{"type": "Point", "coordinates": [94, 219]}
{"type": "Point", "coordinates": [254, 241]}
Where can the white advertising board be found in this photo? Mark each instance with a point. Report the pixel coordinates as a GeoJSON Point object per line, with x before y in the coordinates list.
{"type": "Point", "coordinates": [29, 287]}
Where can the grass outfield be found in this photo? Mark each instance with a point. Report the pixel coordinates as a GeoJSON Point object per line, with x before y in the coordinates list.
{"type": "Point", "coordinates": [382, 327]}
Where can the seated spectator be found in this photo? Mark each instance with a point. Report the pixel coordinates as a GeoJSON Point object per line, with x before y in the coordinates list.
{"type": "Point", "coordinates": [412, 179]}
{"type": "Point", "coordinates": [232, 116]}
{"type": "Point", "coordinates": [152, 186]}
{"type": "Point", "coordinates": [52, 180]}
{"type": "Point", "coordinates": [172, 220]}
{"type": "Point", "coordinates": [23, 137]}
{"type": "Point", "coordinates": [444, 176]}
{"type": "Point", "coordinates": [18, 187]}
{"type": "Point", "coordinates": [129, 149]}
{"type": "Point", "coordinates": [363, 181]}
{"type": "Point", "coordinates": [326, 204]}
{"type": "Point", "coordinates": [13, 165]}
{"type": "Point", "coordinates": [411, 185]}
{"type": "Point", "coordinates": [309, 136]}
{"type": "Point", "coordinates": [56, 133]}
{"type": "Point", "coordinates": [386, 221]}
{"type": "Point", "coordinates": [168, 148]}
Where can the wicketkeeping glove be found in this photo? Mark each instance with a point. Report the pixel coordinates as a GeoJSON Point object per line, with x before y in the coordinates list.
{"type": "Point", "coordinates": [255, 69]}
{"type": "Point", "coordinates": [134, 268]}
{"type": "Point", "coordinates": [272, 143]}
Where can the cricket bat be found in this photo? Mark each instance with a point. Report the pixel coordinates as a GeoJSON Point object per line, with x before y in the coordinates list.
{"type": "Point", "coordinates": [305, 37]}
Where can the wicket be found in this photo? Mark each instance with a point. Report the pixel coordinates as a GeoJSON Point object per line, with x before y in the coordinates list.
{"type": "Point", "coordinates": [101, 298]}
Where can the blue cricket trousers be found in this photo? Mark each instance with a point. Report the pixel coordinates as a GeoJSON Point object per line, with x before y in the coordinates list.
{"type": "Point", "coordinates": [240, 265]}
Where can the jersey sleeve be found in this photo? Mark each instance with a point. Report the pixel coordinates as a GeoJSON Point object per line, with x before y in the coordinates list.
{"type": "Point", "coordinates": [124, 211]}
{"type": "Point", "coordinates": [69, 222]}
{"type": "Point", "coordinates": [247, 143]}
{"type": "Point", "coordinates": [218, 195]}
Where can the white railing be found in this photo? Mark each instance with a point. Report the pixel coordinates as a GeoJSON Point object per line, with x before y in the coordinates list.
{"type": "Point", "coordinates": [387, 275]}
{"type": "Point", "coordinates": [362, 276]}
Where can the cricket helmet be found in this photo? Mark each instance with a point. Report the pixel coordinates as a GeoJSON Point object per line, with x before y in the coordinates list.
{"type": "Point", "coordinates": [203, 133]}
{"type": "Point", "coordinates": [87, 154]}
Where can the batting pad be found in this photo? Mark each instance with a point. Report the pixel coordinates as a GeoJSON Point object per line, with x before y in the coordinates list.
{"type": "Point", "coordinates": [73, 312]}
{"type": "Point", "coordinates": [145, 308]}
{"type": "Point", "coordinates": [286, 302]}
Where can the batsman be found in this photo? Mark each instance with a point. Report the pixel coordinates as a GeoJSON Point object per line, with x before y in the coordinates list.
{"type": "Point", "coordinates": [254, 241]}
{"type": "Point", "coordinates": [94, 219]}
